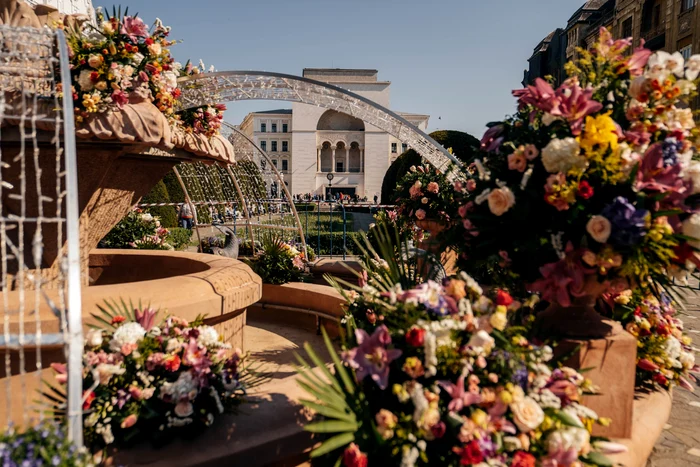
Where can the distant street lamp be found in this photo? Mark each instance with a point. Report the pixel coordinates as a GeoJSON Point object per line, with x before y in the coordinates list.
{"type": "Point", "coordinates": [330, 184]}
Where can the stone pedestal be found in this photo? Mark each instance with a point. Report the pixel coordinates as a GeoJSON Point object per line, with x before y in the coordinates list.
{"type": "Point", "coordinates": [612, 362]}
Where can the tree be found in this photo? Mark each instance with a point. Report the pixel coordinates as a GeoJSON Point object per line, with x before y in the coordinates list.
{"type": "Point", "coordinates": [159, 194]}
{"type": "Point", "coordinates": [464, 147]}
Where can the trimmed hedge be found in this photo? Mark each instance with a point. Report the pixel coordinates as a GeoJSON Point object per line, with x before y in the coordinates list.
{"type": "Point", "coordinates": [464, 146]}
{"type": "Point", "coordinates": [167, 214]}
{"type": "Point", "coordinates": [179, 238]}
{"type": "Point", "coordinates": [312, 242]}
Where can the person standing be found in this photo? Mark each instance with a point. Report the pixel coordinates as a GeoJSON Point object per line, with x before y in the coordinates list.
{"type": "Point", "coordinates": [186, 215]}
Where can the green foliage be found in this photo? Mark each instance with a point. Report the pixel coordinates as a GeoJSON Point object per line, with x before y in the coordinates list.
{"type": "Point", "coordinates": [179, 238]}
{"type": "Point", "coordinates": [173, 187]}
{"type": "Point", "coordinates": [312, 241]}
{"type": "Point", "coordinates": [127, 231]}
{"type": "Point", "coordinates": [44, 444]}
{"type": "Point", "coordinates": [464, 147]}
{"type": "Point", "coordinates": [333, 394]}
{"type": "Point", "coordinates": [278, 263]}
{"type": "Point", "coordinates": [167, 214]}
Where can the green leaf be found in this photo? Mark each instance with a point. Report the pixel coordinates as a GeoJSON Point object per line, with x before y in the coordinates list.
{"type": "Point", "coordinates": [333, 443]}
{"type": "Point", "coordinates": [329, 411]}
{"type": "Point", "coordinates": [568, 419]}
{"type": "Point", "coordinates": [321, 365]}
{"type": "Point", "coordinates": [334, 400]}
{"type": "Point", "coordinates": [339, 367]}
{"type": "Point", "coordinates": [597, 459]}
{"type": "Point", "coordinates": [331, 426]}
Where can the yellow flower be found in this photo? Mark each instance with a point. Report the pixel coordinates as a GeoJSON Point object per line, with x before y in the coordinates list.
{"type": "Point", "coordinates": [498, 320]}
{"type": "Point", "coordinates": [479, 417]}
{"type": "Point", "coordinates": [600, 134]}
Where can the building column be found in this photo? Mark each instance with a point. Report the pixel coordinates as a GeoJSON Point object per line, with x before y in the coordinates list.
{"type": "Point", "coordinates": [362, 160]}
{"type": "Point", "coordinates": [333, 160]}
{"type": "Point", "coordinates": [318, 159]}
{"type": "Point", "coordinates": [347, 159]}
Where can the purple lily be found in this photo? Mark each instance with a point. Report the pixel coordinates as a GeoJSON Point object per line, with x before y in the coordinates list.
{"type": "Point", "coordinates": [492, 139]}
{"type": "Point", "coordinates": [371, 356]}
{"type": "Point", "coordinates": [460, 397]}
{"type": "Point", "coordinates": [146, 318]}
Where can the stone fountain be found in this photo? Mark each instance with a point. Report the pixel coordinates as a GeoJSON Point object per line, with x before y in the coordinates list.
{"type": "Point", "coordinates": [121, 155]}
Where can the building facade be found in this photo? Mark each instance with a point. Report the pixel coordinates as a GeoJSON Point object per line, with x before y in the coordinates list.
{"type": "Point", "coordinates": [670, 25]}
{"type": "Point", "coordinates": [307, 143]}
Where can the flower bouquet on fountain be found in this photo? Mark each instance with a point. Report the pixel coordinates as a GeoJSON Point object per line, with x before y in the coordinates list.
{"type": "Point", "coordinates": [144, 380]}
{"type": "Point", "coordinates": [593, 186]}
{"type": "Point", "coordinates": [431, 374]}
{"type": "Point", "coordinates": [665, 354]}
{"type": "Point", "coordinates": [425, 193]}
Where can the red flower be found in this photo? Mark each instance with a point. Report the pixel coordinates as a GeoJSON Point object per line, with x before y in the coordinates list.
{"type": "Point", "coordinates": [118, 319]}
{"type": "Point", "coordinates": [88, 399]}
{"type": "Point", "coordinates": [353, 457]}
{"type": "Point", "coordinates": [660, 379]}
{"type": "Point", "coordinates": [438, 430]}
{"type": "Point", "coordinates": [172, 363]}
{"type": "Point", "coordinates": [585, 190]}
{"type": "Point", "coordinates": [94, 76]}
{"type": "Point", "coordinates": [647, 365]}
{"type": "Point", "coordinates": [470, 454]}
{"type": "Point", "coordinates": [523, 459]}
{"type": "Point", "coordinates": [503, 298]}
{"type": "Point", "coordinates": [415, 337]}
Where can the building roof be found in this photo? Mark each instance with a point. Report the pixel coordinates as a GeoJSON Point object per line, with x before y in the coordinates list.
{"type": "Point", "coordinates": [275, 112]}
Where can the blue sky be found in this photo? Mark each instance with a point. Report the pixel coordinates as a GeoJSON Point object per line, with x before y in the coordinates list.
{"type": "Point", "coordinates": [454, 59]}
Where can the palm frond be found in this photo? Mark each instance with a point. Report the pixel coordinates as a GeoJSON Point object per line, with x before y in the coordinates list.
{"type": "Point", "coordinates": [331, 393]}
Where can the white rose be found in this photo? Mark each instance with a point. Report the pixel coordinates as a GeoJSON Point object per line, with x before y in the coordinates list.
{"type": "Point", "coordinates": [93, 338]}
{"type": "Point", "coordinates": [598, 227]}
{"type": "Point", "coordinates": [568, 438]}
{"type": "Point", "coordinates": [483, 340]}
{"type": "Point", "coordinates": [687, 360]}
{"type": "Point", "coordinates": [527, 414]}
{"type": "Point", "coordinates": [500, 200]}
{"type": "Point", "coordinates": [673, 348]}
{"type": "Point", "coordinates": [138, 58]}
{"type": "Point", "coordinates": [560, 155]}
{"type": "Point", "coordinates": [692, 174]}
{"type": "Point", "coordinates": [129, 333]}
{"type": "Point", "coordinates": [691, 228]}
{"type": "Point", "coordinates": [84, 81]}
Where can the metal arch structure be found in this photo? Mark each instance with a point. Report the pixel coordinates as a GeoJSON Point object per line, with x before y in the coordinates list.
{"type": "Point", "coordinates": [234, 138]}
{"type": "Point", "coordinates": [210, 88]}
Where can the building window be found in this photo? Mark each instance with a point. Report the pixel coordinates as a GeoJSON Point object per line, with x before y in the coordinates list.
{"type": "Point", "coordinates": [285, 128]}
{"type": "Point", "coordinates": [263, 145]}
{"type": "Point", "coordinates": [285, 165]}
{"type": "Point", "coordinates": [404, 147]}
{"type": "Point", "coordinates": [627, 28]}
{"type": "Point", "coordinates": [274, 146]}
{"type": "Point", "coordinates": [656, 18]}
{"type": "Point", "coordinates": [274, 162]}
{"type": "Point", "coordinates": [285, 146]}
{"type": "Point", "coordinates": [393, 148]}
{"type": "Point", "coordinates": [339, 166]}
{"type": "Point", "coordinates": [687, 5]}
{"type": "Point", "coordinates": [274, 128]}
{"type": "Point", "coordinates": [263, 127]}
{"type": "Point", "coordinates": [687, 51]}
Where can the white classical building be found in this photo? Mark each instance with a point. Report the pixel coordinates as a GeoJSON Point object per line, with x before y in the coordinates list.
{"type": "Point", "coordinates": [306, 142]}
{"type": "Point", "coordinates": [71, 7]}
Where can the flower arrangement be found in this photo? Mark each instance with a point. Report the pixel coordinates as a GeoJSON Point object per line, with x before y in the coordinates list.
{"type": "Point", "coordinates": [592, 186]}
{"type": "Point", "coordinates": [42, 444]}
{"type": "Point", "coordinates": [278, 262]}
{"type": "Point", "coordinates": [117, 57]}
{"type": "Point", "coordinates": [139, 230]}
{"type": "Point", "coordinates": [425, 193]}
{"type": "Point", "coordinates": [204, 120]}
{"type": "Point", "coordinates": [433, 375]}
{"type": "Point", "coordinates": [144, 378]}
{"type": "Point", "coordinates": [664, 353]}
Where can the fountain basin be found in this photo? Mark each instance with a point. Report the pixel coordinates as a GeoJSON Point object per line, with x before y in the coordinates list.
{"type": "Point", "coordinates": [184, 284]}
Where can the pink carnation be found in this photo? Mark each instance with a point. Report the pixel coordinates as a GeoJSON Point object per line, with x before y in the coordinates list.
{"type": "Point", "coordinates": [433, 187]}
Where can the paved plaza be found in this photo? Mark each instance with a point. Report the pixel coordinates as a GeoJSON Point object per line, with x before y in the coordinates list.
{"type": "Point", "coordinates": [679, 445]}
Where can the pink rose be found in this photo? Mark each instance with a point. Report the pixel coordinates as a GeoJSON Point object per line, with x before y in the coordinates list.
{"type": "Point", "coordinates": [598, 227]}
{"type": "Point", "coordinates": [517, 161]}
{"type": "Point", "coordinates": [471, 185]}
{"type": "Point", "coordinates": [501, 200]}
{"type": "Point", "coordinates": [433, 187]}
{"type": "Point", "coordinates": [120, 98]}
{"type": "Point", "coordinates": [531, 152]}
{"type": "Point", "coordinates": [420, 214]}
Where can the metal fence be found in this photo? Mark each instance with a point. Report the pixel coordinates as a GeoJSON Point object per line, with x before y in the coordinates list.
{"type": "Point", "coordinates": [40, 275]}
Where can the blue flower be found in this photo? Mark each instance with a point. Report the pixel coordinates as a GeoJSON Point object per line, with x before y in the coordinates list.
{"type": "Point", "coordinates": [628, 224]}
{"type": "Point", "coordinates": [670, 148]}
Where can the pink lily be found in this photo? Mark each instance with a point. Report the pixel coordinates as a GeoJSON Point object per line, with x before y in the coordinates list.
{"type": "Point", "coordinates": [371, 357]}
{"type": "Point", "coordinates": [575, 104]}
{"type": "Point", "coordinates": [638, 60]}
{"type": "Point", "coordinates": [146, 318]}
{"type": "Point", "coordinates": [460, 397]}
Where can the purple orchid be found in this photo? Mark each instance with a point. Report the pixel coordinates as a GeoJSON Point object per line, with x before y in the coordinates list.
{"type": "Point", "coordinates": [628, 223]}
{"type": "Point", "coordinates": [492, 139]}
{"type": "Point", "coordinates": [460, 397]}
{"type": "Point", "coordinates": [371, 356]}
{"type": "Point", "coordinates": [146, 318]}
{"type": "Point", "coordinates": [575, 104]}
